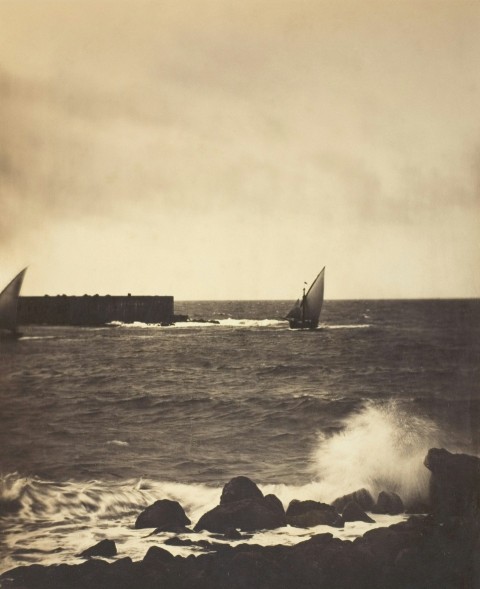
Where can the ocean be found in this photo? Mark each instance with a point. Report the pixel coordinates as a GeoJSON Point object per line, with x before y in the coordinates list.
{"type": "Point", "coordinates": [98, 423]}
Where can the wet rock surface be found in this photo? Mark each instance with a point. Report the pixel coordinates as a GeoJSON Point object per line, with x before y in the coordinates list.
{"type": "Point", "coordinates": [105, 548]}
{"type": "Point", "coordinates": [362, 498]}
{"type": "Point", "coordinates": [307, 514]}
{"type": "Point", "coordinates": [244, 507]}
{"type": "Point", "coordinates": [248, 515]}
{"type": "Point", "coordinates": [354, 513]}
{"type": "Point", "coordinates": [165, 515]}
{"type": "Point", "coordinates": [454, 484]}
{"type": "Point", "coordinates": [388, 504]}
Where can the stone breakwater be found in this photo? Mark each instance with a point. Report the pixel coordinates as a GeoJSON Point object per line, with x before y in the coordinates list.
{"type": "Point", "coordinates": [95, 310]}
{"type": "Point", "coordinates": [440, 548]}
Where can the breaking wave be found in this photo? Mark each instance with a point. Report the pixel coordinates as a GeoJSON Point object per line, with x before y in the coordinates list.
{"type": "Point", "coordinates": [238, 323]}
{"type": "Point", "coordinates": [51, 522]}
{"type": "Point", "coordinates": [381, 448]}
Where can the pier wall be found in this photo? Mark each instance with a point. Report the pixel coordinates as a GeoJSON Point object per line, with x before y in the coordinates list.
{"type": "Point", "coordinates": [94, 310]}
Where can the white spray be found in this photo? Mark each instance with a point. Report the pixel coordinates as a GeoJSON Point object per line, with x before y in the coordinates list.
{"type": "Point", "coordinates": [382, 448]}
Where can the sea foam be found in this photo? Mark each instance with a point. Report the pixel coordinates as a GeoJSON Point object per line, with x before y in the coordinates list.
{"type": "Point", "coordinates": [381, 448]}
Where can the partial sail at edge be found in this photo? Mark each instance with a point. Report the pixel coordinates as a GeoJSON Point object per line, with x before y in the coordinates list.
{"type": "Point", "coordinates": [8, 302]}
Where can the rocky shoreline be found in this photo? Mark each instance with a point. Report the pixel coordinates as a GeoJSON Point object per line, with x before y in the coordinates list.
{"type": "Point", "coordinates": [440, 548]}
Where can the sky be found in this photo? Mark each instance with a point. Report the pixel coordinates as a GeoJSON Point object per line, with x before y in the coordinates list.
{"type": "Point", "coordinates": [219, 149]}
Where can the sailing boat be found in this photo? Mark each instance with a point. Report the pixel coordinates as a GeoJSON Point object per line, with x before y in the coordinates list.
{"type": "Point", "coordinates": [8, 306]}
{"type": "Point", "coordinates": [305, 314]}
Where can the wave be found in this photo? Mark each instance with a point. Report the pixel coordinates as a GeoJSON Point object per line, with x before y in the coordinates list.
{"type": "Point", "coordinates": [75, 515]}
{"type": "Point", "coordinates": [348, 326]}
{"type": "Point", "coordinates": [36, 499]}
{"type": "Point", "coordinates": [381, 447]}
{"type": "Point", "coordinates": [229, 322]}
{"type": "Point", "coordinates": [33, 337]}
{"type": "Point", "coordinates": [235, 323]}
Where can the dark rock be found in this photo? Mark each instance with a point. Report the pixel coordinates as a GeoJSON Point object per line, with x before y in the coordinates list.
{"type": "Point", "coordinates": [307, 514]}
{"type": "Point", "coordinates": [240, 488]}
{"type": "Point", "coordinates": [362, 498]}
{"type": "Point", "coordinates": [88, 574]}
{"type": "Point", "coordinates": [417, 507]}
{"type": "Point", "coordinates": [297, 507]}
{"type": "Point", "coordinates": [105, 548]}
{"type": "Point", "coordinates": [232, 534]}
{"type": "Point", "coordinates": [176, 541]}
{"type": "Point", "coordinates": [386, 543]}
{"type": "Point", "coordinates": [119, 575]}
{"type": "Point", "coordinates": [336, 564]}
{"type": "Point", "coordinates": [253, 568]}
{"type": "Point", "coordinates": [157, 556]}
{"type": "Point", "coordinates": [274, 503]}
{"type": "Point", "coordinates": [171, 528]}
{"type": "Point", "coordinates": [164, 514]}
{"type": "Point", "coordinates": [388, 503]}
{"type": "Point", "coordinates": [213, 546]}
{"type": "Point", "coordinates": [247, 515]}
{"type": "Point", "coordinates": [329, 563]}
{"type": "Point", "coordinates": [454, 484]}
{"type": "Point", "coordinates": [354, 513]}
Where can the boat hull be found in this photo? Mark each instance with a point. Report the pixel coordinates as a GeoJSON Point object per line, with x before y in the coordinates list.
{"type": "Point", "coordinates": [306, 324]}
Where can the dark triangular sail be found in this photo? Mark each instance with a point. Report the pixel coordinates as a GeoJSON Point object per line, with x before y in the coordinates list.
{"type": "Point", "coordinates": [306, 313]}
{"type": "Point", "coordinates": [8, 302]}
{"type": "Point", "coordinates": [295, 311]}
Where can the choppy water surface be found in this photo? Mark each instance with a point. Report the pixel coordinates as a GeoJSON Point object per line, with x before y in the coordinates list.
{"type": "Point", "coordinates": [98, 423]}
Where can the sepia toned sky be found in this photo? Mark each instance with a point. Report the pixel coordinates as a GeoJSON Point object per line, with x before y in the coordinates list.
{"type": "Point", "coordinates": [229, 150]}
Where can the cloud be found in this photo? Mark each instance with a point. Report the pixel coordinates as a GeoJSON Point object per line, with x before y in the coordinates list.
{"type": "Point", "coordinates": [253, 129]}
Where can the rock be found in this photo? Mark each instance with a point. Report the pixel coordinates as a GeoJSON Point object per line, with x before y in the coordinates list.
{"type": "Point", "coordinates": [307, 514]}
{"type": "Point", "coordinates": [247, 515]}
{"type": "Point", "coordinates": [421, 553]}
{"type": "Point", "coordinates": [164, 514]}
{"type": "Point", "coordinates": [274, 503]}
{"type": "Point", "coordinates": [171, 528]}
{"type": "Point", "coordinates": [119, 575]}
{"type": "Point", "coordinates": [157, 556]}
{"type": "Point", "coordinates": [252, 569]}
{"type": "Point", "coordinates": [354, 513]}
{"type": "Point", "coordinates": [105, 548]}
{"type": "Point", "coordinates": [89, 570]}
{"type": "Point", "coordinates": [240, 488]}
{"type": "Point", "coordinates": [386, 543]}
{"type": "Point", "coordinates": [176, 541]}
{"type": "Point", "coordinates": [243, 506]}
{"type": "Point", "coordinates": [362, 498]}
{"type": "Point", "coordinates": [327, 562]}
{"type": "Point", "coordinates": [454, 484]}
{"type": "Point", "coordinates": [388, 503]}
{"type": "Point", "coordinates": [231, 534]}
{"type": "Point", "coordinates": [417, 507]}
